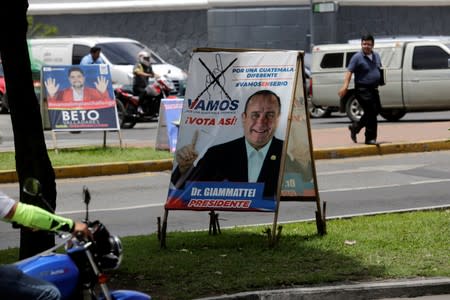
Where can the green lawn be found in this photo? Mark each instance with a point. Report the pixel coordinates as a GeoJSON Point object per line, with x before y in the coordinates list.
{"type": "Point", "coordinates": [91, 155]}
{"type": "Point", "coordinates": [196, 264]}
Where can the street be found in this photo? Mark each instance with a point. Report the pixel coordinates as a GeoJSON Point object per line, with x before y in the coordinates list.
{"type": "Point", "coordinates": [130, 204]}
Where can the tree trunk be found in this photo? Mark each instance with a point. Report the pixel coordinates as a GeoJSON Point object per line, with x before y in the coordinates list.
{"type": "Point", "coordinates": [31, 152]}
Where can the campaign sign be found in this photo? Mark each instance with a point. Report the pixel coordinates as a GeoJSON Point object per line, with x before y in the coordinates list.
{"type": "Point", "coordinates": [232, 130]}
{"type": "Point", "coordinates": [169, 120]}
{"type": "Point", "coordinates": [220, 196]}
{"type": "Point", "coordinates": [80, 97]}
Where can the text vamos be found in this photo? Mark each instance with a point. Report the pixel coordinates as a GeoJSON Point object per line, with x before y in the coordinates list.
{"type": "Point", "coordinates": [213, 105]}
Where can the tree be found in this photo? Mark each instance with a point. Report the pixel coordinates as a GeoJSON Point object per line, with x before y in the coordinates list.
{"type": "Point", "coordinates": [40, 29]}
{"type": "Point", "coordinates": [31, 151]}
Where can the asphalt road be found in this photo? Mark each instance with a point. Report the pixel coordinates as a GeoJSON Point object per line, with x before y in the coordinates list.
{"type": "Point", "coordinates": [130, 204]}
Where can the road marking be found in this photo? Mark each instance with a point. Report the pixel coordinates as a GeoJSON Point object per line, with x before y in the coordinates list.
{"type": "Point", "coordinates": [320, 191]}
{"type": "Point", "coordinates": [359, 188]}
{"type": "Point", "coordinates": [111, 209]}
{"type": "Point", "coordinates": [432, 181]}
{"type": "Point", "coordinates": [382, 168]}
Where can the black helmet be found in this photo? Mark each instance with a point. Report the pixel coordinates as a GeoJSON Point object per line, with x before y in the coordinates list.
{"type": "Point", "coordinates": [108, 247]}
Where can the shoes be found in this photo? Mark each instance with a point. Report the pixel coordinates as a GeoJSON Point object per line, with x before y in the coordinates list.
{"type": "Point", "coordinates": [371, 142]}
{"type": "Point", "coordinates": [140, 110]}
{"type": "Point", "coordinates": [352, 133]}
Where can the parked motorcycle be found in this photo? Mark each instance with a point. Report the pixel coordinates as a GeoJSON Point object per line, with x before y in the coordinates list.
{"type": "Point", "coordinates": [77, 273]}
{"type": "Point", "coordinates": [127, 103]}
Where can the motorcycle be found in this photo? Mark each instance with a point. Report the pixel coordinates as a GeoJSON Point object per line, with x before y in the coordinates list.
{"type": "Point", "coordinates": [78, 273]}
{"type": "Point", "coordinates": [127, 103]}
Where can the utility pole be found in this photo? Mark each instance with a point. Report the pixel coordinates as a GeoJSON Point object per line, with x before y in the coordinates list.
{"type": "Point", "coordinates": [311, 25]}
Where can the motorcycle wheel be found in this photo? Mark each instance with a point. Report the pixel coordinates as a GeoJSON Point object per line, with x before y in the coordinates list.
{"type": "Point", "coordinates": [124, 120]}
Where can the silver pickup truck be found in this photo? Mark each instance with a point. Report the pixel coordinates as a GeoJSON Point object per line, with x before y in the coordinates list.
{"type": "Point", "coordinates": [417, 77]}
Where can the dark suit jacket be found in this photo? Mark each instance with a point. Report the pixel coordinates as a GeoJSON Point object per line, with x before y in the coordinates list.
{"type": "Point", "coordinates": [228, 162]}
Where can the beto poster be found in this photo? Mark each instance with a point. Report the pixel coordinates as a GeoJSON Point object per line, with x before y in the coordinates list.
{"type": "Point", "coordinates": [231, 141]}
{"type": "Point", "coordinates": [80, 97]}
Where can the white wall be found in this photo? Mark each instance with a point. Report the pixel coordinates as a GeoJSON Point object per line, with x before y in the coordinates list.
{"type": "Point", "coordinates": [55, 7]}
{"type": "Point", "coordinates": [49, 7]}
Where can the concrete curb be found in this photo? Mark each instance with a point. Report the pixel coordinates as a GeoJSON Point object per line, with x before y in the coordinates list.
{"type": "Point", "coordinates": [166, 164]}
{"type": "Point", "coordinates": [382, 149]}
{"type": "Point", "coordinates": [358, 291]}
{"type": "Point", "coordinates": [99, 169]}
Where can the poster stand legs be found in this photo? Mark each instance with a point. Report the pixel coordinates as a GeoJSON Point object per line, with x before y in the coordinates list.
{"type": "Point", "coordinates": [120, 138]}
{"type": "Point", "coordinates": [162, 232]}
{"type": "Point", "coordinates": [321, 218]}
{"type": "Point", "coordinates": [55, 146]}
{"type": "Point", "coordinates": [214, 225]}
{"type": "Point", "coordinates": [54, 142]}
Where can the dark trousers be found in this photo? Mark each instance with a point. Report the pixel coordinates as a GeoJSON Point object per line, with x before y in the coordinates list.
{"type": "Point", "coordinates": [14, 284]}
{"type": "Point", "coordinates": [140, 92]}
{"type": "Point", "coordinates": [369, 99]}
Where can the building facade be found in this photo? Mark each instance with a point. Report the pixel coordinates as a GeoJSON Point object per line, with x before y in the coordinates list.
{"type": "Point", "coordinates": [174, 28]}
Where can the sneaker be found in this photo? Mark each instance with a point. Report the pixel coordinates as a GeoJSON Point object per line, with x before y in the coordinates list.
{"type": "Point", "coordinates": [140, 110]}
{"type": "Point", "coordinates": [371, 142]}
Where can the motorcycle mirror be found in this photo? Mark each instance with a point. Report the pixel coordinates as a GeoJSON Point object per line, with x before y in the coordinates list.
{"type": "Point", "coordinates": [32, 187]}
{"type": "Point", "coordinates": [86, 195]}
{"type": "Point", "coordinates": [87, 199]}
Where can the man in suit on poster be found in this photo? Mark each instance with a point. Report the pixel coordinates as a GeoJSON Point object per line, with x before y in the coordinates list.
{"type": "Point", "coordinates": [255, 157]}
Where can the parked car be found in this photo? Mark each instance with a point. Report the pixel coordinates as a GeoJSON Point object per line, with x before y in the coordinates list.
{"type": "Point", "coordinates": [315, 111]}
{"type": "Point", "coordinates": [4, 105]}
{"type": "Point", "coordinates": [120, 54]}
{"type": "Point", "coordinates": [417, 77]}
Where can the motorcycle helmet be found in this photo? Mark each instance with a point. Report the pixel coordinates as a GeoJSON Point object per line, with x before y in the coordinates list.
{"type": "Point", "coordinates": [144, 58]}
{"type": "Point", "coordinates": [113, 258]}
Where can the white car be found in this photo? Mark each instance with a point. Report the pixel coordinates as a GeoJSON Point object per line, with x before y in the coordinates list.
{"type": "Point", "coordinates": [119, 53]}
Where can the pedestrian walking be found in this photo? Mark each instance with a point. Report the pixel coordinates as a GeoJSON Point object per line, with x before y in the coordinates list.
{"type": "Point", "coordinates": [365, 66]}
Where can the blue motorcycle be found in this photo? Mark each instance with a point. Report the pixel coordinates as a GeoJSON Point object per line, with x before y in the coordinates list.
{"type": "Point", "coordinates": [77, 273]}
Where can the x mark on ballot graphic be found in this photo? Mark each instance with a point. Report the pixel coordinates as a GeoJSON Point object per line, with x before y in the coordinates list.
{"type": "Point", "coordinates": [215, 78]}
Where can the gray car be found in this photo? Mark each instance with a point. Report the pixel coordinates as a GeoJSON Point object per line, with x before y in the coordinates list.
{"type": "Point", "coordinates": [314, 111]}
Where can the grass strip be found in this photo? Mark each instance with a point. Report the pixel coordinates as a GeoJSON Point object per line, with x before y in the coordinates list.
{"type": "Point", "coordinates": [91, 155]}
{"type": "Point", "coordinates": [195, 264]}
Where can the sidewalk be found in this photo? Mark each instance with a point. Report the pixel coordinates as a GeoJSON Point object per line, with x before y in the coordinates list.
{"type": "Point", "coordinates": [328, 143]}
{"type": "Point", "coordinates": [404, 289]}
{"type": "Point", "coordinates": [392, 138]}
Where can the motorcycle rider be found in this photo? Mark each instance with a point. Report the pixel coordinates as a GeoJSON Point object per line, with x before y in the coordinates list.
{"type": "Point", "coordinates": [142, 71]}
{"type": "Point", "coordinates": [14, 284]}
